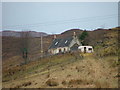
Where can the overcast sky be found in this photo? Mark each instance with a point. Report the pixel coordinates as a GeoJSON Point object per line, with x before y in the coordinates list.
{"type": "Point", "coordinates": [51, 17]}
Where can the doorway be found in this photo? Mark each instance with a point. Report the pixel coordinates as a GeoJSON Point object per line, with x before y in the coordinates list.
{"type": "Point", "coordinates": [84, 49]}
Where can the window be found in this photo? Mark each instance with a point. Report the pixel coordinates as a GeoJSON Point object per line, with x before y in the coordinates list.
{"type": "Point", "coordinates": [89, 48]}
{"type": "Point", "coordinates": [66, 41]}
{"type": "Point", "coordinates": [56, 43]}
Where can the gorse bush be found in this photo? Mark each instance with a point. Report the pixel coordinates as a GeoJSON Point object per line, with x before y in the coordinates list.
{"type": "Point", "coordinates": [109, 45]}
{"type": "Point", "coordinates": [52, 82]}
{"type": "Point", "coordinates": [106, 51]}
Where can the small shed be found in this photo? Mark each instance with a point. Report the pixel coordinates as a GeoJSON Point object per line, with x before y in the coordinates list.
{"type": "Point", "coordinates": [86, 49]}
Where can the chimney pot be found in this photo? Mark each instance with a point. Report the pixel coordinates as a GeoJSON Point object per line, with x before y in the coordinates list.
{"type": "Point", "coordinates": [54, 36]}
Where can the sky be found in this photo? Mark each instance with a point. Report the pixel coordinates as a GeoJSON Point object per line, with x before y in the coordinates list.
{"type": "Point", "coordinates": [57, 17]}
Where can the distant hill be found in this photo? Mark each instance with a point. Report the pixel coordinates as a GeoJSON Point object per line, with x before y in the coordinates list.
{"type": "Point", "coordinates": [69, 33]}
{"type": "Point", "coordinates": [18, 33]}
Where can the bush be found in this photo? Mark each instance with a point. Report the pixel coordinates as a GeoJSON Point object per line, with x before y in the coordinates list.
{"type": "Point", "coordinates": [64, 82]}
{"type": "Point", "coordinates": [75, 82]}
{"type": "Point", "coordinates": [27, 84]}
{"type": "Point", "coordinates": [52, 82]}
{"type": "Point", "coordinates": [108, 51]}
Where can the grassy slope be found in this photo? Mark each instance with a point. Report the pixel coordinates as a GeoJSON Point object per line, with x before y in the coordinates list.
{"type": "Point", "coordinates": [109, 46]}
{"type": "Point", "coordinates": [68, 71]}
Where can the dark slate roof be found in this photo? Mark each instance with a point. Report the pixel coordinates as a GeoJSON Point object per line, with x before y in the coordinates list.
{"type": "Point", "coordinates": [61, 42]}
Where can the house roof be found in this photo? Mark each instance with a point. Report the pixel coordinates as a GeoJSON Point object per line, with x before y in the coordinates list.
{"type": "Point", "coordinates": [61, 42]}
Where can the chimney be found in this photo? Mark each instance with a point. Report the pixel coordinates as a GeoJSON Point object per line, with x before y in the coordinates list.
{"type": "Point", "coordinates": [54, 36]}
{"type": "Point", "coordinates": [74, 34]}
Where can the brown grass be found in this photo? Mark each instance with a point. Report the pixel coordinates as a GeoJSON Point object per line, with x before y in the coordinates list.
{"type": "Point", "coordinates": [52, 82]}
{"type": "Point", "coordinates": [25, 84]}
{"type": "Point", "coordinates": [89, 72]}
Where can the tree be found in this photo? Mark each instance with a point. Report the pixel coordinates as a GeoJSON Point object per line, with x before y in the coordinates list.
{"type": "Point", "coordinates": [83, 36]}
{"type": "Point", "coordinates": [24, 44]}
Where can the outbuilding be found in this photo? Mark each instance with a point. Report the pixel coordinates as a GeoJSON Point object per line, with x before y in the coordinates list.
{"type": "Point", "coordinates": [86, 49]}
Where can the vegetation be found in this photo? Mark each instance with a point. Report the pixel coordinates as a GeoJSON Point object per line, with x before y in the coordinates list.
{"type": "Point", "coordinates": [109, 46]}
{"type": "Point", "coordinates": [69, 70]}
{"type": "Point", "coordinates": [65, 70]}
{"type": "Point", "coordinates": [38, 66]}
{"type": "Point", "coordinates": [83, 36]}
{"type": "Point", "coordinates": [52, 82]}
{"type": "Point", "coordinates": [25, 40]}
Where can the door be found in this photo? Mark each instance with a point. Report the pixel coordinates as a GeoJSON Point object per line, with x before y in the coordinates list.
{"type": "Point", "coordinates": [60, 50]}
{"type": "Point", "coordinates": [84, 49]}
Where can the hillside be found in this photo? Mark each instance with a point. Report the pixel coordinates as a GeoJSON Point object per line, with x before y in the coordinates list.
{"type": "Point", "coordinates": [70, 32]}
{"type": "Point", "coordinates": [69, 70]}
{"type": "Point", "coordinates": [10, 33]}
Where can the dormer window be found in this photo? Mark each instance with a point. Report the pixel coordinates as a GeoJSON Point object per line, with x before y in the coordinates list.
{"type": "Point", "coordinates": [56, 43]}
{"type": "Point", "coordinates": [66, 41]}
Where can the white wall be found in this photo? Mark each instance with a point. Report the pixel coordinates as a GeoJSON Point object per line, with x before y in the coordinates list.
{"type": "Point", "coordinates": [55, 51]}
{"type": "Point", "coordinates": [81, 48]}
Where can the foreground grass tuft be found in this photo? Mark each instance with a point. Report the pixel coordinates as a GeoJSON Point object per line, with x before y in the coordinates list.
{"type": "Point", "coordinates": [52, 82]}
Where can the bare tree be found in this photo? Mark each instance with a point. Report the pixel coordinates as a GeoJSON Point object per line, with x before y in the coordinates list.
{"type": "Point", "coordinates": [25, 45]}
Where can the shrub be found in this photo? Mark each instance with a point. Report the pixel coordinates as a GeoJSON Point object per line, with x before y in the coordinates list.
{"type": "Point", "coordinates": [26, 84]}
{"type": "Point", "coordinates": [64, 82]}
{"type": "Point", "coordinates": [52, 82]}
{"type": "Point", "coordinates": [73, 81]}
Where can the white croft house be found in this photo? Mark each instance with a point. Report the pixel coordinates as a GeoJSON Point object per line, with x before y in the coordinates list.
{"type": "Point", "coordinates": [64, 45]}
{"type": "Point", "coordinates": [86, 49]}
